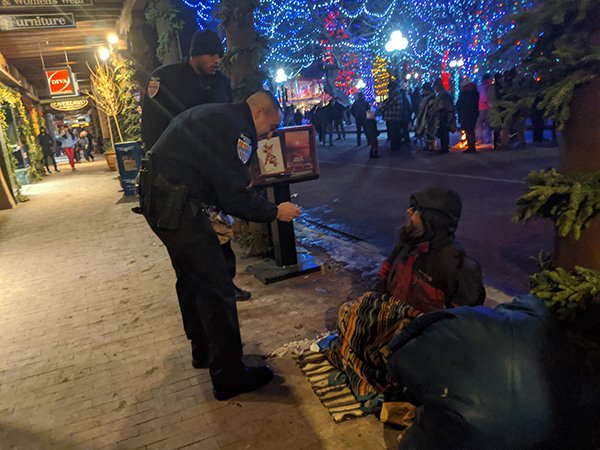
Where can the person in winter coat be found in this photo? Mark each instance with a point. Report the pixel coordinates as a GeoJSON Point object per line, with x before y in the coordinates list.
{"type": "Point", "coordinates": [428, 269]}
{"type": "Point", "coordinates": [68, 141]}
{"type": "Point", "coordinates": [337, 115]}
{"type": "Point", "coordinates": [444, 113]}
{"type": "Point", "coordinates": [47, 144]}
{"type": "Point", "coordinates": [359, 110]}
{"type": "Point", "coordinates": [468, 111]}
{"type": "Point", "coordinates": [483, 122]}
{"type": "Point", "coordinates": [371, 133]}
{"type": "Point", "coordinates": [425, 122]}
{"type": "Point", "coordinates": [396, 113]}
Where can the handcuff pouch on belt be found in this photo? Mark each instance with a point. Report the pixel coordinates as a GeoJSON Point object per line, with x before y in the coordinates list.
{"type": "Point", "coordinates": [167, 202]}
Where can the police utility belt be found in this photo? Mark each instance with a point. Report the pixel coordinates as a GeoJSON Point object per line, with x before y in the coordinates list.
{"type": "Point", "coordinates": [163, 202]}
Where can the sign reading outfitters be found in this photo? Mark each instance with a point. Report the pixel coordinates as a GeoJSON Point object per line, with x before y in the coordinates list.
{"type": "Point", "coordinates": [60, 82]}
{"type": "Point", "coordinates": [29, 21]}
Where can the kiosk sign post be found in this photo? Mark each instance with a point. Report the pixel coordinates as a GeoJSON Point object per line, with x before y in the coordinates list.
{"type": "Point", "coordinates": [290, 156]}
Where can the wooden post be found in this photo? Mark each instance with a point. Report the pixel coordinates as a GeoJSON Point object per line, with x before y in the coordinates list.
{"type": "Point", "coordinates": [580, 153]}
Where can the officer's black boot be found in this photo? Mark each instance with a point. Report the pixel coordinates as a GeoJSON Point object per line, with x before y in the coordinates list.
{"type": "Point", "coordinates": [251, 379]}
{"type": "Point", "coordinates": [199, 355]}
{"type": "Point", "coordinates": [241, 295]}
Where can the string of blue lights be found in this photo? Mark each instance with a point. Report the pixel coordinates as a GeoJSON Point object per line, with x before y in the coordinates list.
{"type": "Point", "coordinates": [460, 29]}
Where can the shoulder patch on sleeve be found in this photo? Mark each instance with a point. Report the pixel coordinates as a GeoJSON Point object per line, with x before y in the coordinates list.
{"type": "Point", "coordinates": [244, 147]}
{"type": "Point", "coordinates": [153, 86]}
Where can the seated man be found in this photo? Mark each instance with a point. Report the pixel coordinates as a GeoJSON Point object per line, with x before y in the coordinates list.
{"type": "Point", "coordinates": [426, 271]}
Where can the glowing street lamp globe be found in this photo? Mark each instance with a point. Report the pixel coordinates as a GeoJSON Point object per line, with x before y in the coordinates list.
{"type": "Point", "coordinates": [280, 76]}
{"type": "Point", "coordinates": [360, 84]}
{"type": "Point", "coordinates": [396, 42]}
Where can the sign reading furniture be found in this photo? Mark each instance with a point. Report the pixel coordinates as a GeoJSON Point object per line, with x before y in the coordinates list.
{"type": "Point", "coordinates": [60, 82]}
{"type": "Point", "coordinates": [29, 21]}
{"type": "Point", "coordinates": [43, 3]}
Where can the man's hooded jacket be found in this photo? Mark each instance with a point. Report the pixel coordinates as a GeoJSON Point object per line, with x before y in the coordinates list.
{"type": "Point", "coordinates": [432, 271]}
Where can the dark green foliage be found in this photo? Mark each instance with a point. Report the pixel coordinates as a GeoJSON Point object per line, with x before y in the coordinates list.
{"type": "Point", "coordinates": [567, 293]}
{"type": "Point", "coordinates": [566, 34]}
{"type": "Point", "coordinates": [570, 201]}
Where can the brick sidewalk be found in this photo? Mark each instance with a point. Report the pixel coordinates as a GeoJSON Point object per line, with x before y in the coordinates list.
{"type": "Point", "coordinates": [93, 353]}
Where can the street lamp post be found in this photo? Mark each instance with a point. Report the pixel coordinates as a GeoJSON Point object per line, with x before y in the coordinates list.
{"type": "Point", "coordinates": [396, 43]}
{"type": "Point", "coordinates": [456, 65]}
{"type": "Point", "coordinates": [280, 78]}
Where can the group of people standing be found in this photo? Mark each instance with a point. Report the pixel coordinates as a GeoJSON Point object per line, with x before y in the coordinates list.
{"type": "Point", "coordinates": [329, 118]}
{"type": "Point", "coordinates": [68, 142]}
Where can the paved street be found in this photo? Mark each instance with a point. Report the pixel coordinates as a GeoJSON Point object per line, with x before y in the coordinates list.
{"type": "Point", "coordinates": [368, 198]}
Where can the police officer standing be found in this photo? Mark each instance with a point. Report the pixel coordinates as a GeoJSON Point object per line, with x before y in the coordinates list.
{"type": "Point", "coordinates": [175, 88]}
{"type": "Point", "coordinates": [198, 164]}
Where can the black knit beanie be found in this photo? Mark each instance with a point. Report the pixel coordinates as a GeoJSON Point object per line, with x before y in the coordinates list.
{"type": "Point", "coordinates": [206, 43]}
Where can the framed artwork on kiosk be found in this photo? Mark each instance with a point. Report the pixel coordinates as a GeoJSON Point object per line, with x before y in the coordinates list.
{"type": "Point", "coordinates": [290, 156]}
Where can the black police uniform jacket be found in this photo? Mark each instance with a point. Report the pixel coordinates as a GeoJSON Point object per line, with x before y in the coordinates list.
{"type": "Point", "coordinates": [207, 149]}
{"type": "Point", "coordinates": [173, 89]}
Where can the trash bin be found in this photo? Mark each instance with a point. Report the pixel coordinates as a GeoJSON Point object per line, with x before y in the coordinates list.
{"type": "Point", "coordinates": [129, 161]}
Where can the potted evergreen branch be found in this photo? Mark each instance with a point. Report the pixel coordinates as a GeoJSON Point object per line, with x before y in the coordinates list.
{"type": "Point", "coordinates": [562, 72]}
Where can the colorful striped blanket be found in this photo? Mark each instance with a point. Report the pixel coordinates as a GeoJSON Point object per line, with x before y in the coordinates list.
{"type": "Point", "coordinates": [350, 376]}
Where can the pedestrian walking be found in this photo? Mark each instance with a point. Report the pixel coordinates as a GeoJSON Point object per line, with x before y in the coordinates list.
{"type": "Point", "coordinates": [371, 134]}
{"type": "Point", "coordinates": [68, 141]}
{"type": "Point", "coordinates": [47, 144]}
{"type": "Point", "coordinates": [337, 115]}
{"type": "Point", "coordinates": [359, 110]}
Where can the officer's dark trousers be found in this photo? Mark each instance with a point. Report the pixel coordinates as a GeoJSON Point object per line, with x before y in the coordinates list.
{"type": "Point", "coordinates": [206, 295]}
{"type": "Point", "coordinates": [229, 258]}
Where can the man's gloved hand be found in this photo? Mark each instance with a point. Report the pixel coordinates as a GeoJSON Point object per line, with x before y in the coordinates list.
{"type": "Point", "coordinates": [286, 211]}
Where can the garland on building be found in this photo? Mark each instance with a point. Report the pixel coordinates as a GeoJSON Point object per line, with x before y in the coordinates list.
{"type": "Point", "coordinates": [26, 132]}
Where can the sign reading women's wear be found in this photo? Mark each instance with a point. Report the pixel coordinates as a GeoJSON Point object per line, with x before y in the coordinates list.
{"type": "Point", "coordinates": [43, 3]}
{"type": "Point", "coordinates": [289, 156]}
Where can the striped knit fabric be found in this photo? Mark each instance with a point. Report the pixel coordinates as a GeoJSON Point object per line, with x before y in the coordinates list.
{"type": "Point", "coordinates": [352, 375]}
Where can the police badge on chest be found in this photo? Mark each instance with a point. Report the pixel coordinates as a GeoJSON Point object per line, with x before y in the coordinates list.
{"type": "Point", "coordinates": [244, 148]}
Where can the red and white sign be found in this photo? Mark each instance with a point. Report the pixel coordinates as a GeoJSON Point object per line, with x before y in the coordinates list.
{"type": "Point", "coordinates": [59, 82]}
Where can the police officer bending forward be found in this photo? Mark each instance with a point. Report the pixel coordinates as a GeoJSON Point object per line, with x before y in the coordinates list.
{"type": "Point", "coordinates": [197, 164]}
